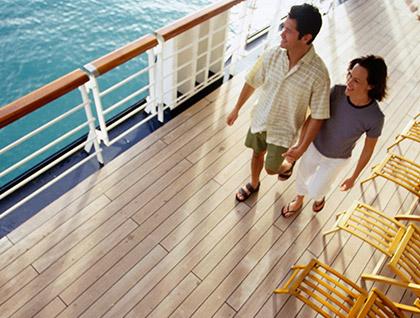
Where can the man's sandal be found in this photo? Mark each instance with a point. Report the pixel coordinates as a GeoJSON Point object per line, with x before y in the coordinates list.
{"type": "Point", "coordinates": [283, 176]}
{"type": "Point", "coordinates": [246, 191]}
{"type": "Point", "coordinates": [318, 205]}
{"type": "Point", "coordinates": [287, 212]}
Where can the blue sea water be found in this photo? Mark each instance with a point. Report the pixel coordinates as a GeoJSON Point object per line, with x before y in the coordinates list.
{"type": "Point", "coordinates": [41, 40]}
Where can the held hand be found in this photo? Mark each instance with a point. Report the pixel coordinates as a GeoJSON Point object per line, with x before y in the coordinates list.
{"type": "Point", "coordinates": [231, 118]}
{"type": "Point", "coordinates": [293, 154]}
{"type": "Point", "coordinates": [347, 184]}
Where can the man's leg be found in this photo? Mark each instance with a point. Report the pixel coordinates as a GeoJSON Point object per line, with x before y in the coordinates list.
{"type": "Point", "coordinates": [257, 164]}
{"type": "Point", "coordinates": [274, 159]}
{"type": "Point", "coordinates": [257, 143]}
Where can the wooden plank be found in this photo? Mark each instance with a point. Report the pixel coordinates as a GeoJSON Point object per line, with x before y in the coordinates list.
{"type": "Point", "coordinates": [225, 312]}
{"type": "Point", "coordinates": [83, 193]}
{"type": "Point", "coordinates": [204, 234]}
{"type": "Point", "coordinates": [23, 253]}
{"type": "Point", "coordinates": [267, 195]}
{"type": "Point", "coordinates": [276, 303]}
{"type": "Point", "coordinates": [118, 168]}
{"type": "Point", "coordinates": [216, 299]}
{"type": "Point", "coordinates": [125, 274]}
{"type": "Point", "coordinates": [16, 283]}
{"type": "Point", "coordinates": [36, 294]}
{"type": "Point", "coordinates": [178, 294]}
{"type": "Point", "coordinates": [52, 309]}
{"type": "Point", "coordinates": [5, 244]}
{"type": "Point", "coordinates": [153, 288]}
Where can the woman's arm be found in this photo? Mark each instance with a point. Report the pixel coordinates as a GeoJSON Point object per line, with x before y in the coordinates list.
{"type": "Point", "coordinates": [308, 133]}
{"type": "Point", "coordinates": [364, 158]}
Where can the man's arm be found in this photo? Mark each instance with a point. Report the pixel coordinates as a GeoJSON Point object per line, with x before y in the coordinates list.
{"type": "Point", "coordinates": [246, 92]}
{"type": "Point", "coordinates": [308, 133]}
{"type": "Point", "coordinates": [364, 158]}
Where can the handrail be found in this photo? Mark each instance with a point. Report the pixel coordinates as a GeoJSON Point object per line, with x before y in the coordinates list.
{"type": "Point", "coordinates": [108, 62]}
{"type": "Point", "coordinates": [195, 19]}
{"type": "Point", "coordinates": [38, 98]}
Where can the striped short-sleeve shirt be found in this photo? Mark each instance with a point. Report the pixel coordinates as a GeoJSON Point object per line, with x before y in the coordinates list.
{"type": "Point", "coordinates": [286, 94]}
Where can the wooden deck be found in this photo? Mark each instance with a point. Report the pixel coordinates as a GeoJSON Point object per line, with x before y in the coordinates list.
{"type": "Point", "coordinates": [157, 231]}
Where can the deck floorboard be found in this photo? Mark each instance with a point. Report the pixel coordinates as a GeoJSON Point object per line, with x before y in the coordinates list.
{"type": "Point", "coordinates": [157, 232]}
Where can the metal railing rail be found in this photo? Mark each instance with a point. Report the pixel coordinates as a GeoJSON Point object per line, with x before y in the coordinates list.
{"type": "Point", "coordinates": [109, 62]}
{"type": "Point", "coordinates": [188, 77]}
{"type": "Point", "coordinates": [35, 100]}
{"type": "Point", "coordinates": [210, 28]}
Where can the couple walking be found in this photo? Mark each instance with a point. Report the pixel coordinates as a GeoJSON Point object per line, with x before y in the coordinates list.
{"type": "Point", "coordinates": [293, 79]}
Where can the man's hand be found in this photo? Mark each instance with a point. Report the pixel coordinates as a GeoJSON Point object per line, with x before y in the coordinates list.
{"type": "Point", "coordinates": [347, 184]}
{"type": "Point", "coordinates": [231, 118]}
{"type": "Point", "coordinates": [293, 154]}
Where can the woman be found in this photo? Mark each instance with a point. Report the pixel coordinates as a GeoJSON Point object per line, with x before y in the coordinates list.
{"type": "Point", "coordinates": [354, 112]}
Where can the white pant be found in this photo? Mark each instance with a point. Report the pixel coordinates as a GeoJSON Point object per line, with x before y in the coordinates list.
{"type": "Point", "coordinates": [315, 173]}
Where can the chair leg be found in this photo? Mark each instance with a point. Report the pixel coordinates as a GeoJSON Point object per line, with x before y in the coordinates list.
{"type": "Point", "coordinates": [398, 140]}
{"type": "Point", "coordinates": [373, 176]}
{"type": "Point", "coordinates": [380, 264]}
{"type": "Point", "coordinates": [363, 283]}
{"type": "Point", "coordinates": [334, 229]}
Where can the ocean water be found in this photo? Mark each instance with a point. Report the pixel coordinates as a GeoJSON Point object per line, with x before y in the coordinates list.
{"type": "Point", "coordinates": [41, 40]}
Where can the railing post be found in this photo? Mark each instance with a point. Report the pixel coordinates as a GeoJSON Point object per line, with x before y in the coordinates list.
{"type": "Point", "coordinates": [159, 75]}
{"type": "Point", "coordinates": [94, 87]}
{"type": "Point", "coordinates": [151, 99]}
{"type": "Point", "coordinates": [92, 129]}
{"type": "Point", "coordinates": [209, 46]}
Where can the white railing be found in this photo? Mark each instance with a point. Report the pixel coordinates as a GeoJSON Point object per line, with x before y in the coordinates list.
{"type": "Point", "coordinates": [179, 61]}
{"type": "Point", "coordinates": [62, 86]}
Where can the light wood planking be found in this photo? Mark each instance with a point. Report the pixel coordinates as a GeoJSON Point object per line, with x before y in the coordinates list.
{"type": "Point", "coordinates": [157, 231]}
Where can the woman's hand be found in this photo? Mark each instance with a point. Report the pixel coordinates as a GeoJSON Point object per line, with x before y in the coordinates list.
{"type": "Point", "coordinates": [347, 184]}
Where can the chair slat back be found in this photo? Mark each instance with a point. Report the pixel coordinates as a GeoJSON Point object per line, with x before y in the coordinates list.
{"type": "Point", "coordinates": [414, 132]}
{"type": "Point", "coordinates": [327, 291]}
{"type": "Point", "coordinates": [401, 171]}
{"type": "Point", "coordinates": [373, 227]}
{"type": "Point", "coordinates": [406, 261]}
{"type": "Point", "coordinates": [378, 305]}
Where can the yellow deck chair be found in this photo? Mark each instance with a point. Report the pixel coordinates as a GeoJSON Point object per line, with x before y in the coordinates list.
{"type": "Point", "coordinates": [331, 294]}
{"type": "Point", "coordinates": [412, 132]}
{"type": "Point", "coordinates": [399, 170]}
{"type": "Point", "coordinates": [405, 263]}
{"type": "Point", "coordinates": [372, 226]}
{"type": "Point", "coordinates": [415, 308]}
{"type": "Point", "coordinates": [325, 290]}
{"type": "Point", "coordinates": [378, 305]}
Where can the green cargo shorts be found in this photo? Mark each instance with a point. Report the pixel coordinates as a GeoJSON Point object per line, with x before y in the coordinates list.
{"type": "Point", "coordinates": [257, 142]}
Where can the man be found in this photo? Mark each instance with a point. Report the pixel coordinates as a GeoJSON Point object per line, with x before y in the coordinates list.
{"type": "Point", "coordinates": [292, 78]}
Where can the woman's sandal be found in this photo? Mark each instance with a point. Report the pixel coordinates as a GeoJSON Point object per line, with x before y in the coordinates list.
{"type": "Point", "coordinates": [286, 212]}
{"type": "Point", "coordinates": [286, 174]}
{"type": "Point", "coordinates": [246, 191]}
{"type": "Point", "coordinates": [318, 205]}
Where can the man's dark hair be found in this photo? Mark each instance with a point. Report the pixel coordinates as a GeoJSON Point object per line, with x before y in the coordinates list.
{"type": "Point", "coordinates": [308, 20]}
{"type": "Point", "coordinates": [377, 74]}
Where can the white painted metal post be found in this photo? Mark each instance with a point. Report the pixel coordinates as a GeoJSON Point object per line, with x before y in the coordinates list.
{"type": "Point", "coordinates": [159, 75]}
{"type": "Point", "coordinates": [151, 99]}
{"type": "Point", "coordinates": [92, 129]}
{"type": "Point", "coordinates": [209, 49]}
{"type": "Point", "coordinates": [194, 48]}
{"type": "Point", "coordinates": [94, 87]}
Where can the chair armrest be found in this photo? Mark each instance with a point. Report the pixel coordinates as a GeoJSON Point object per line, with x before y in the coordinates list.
{"type": "Point", "coordinates": [407, 217]}
{"type": "Point", "coordinates": [391, 281]}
